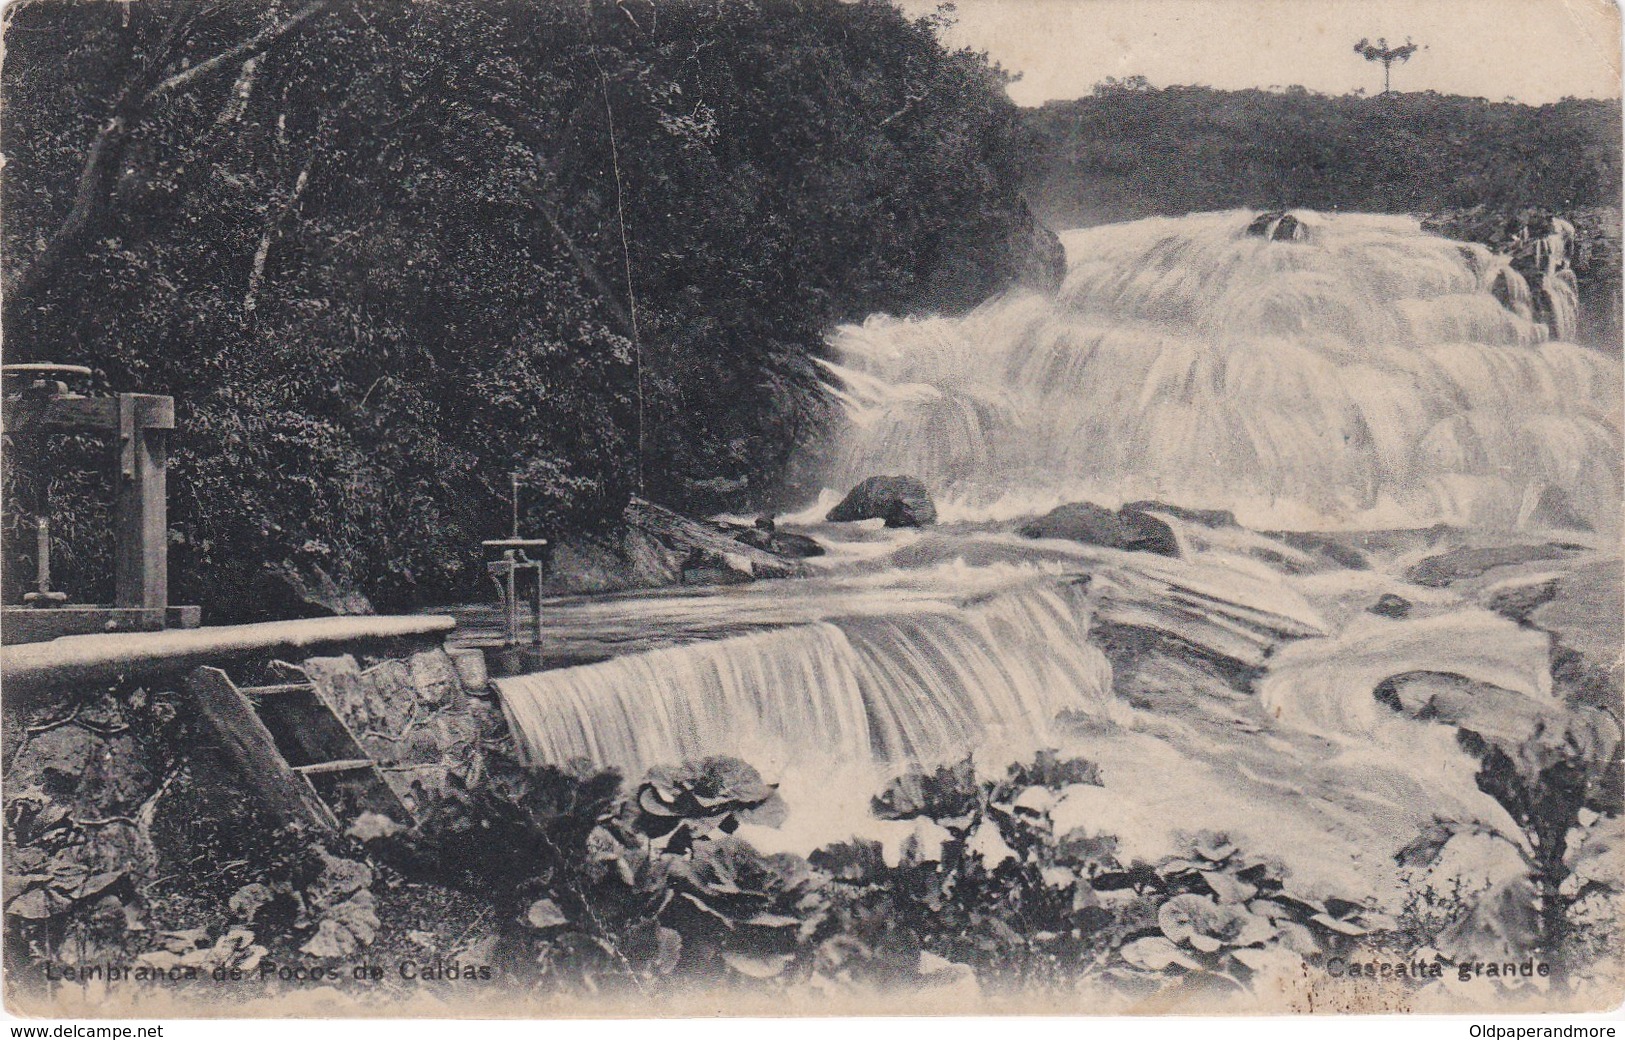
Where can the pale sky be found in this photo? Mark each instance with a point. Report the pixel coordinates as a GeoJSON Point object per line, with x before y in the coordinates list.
{"type": "Point", "coordinates": [1532, 50]}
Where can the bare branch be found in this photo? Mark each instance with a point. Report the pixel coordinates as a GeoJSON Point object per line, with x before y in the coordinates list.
{"type": "Point", "coordinates": [249, 47]}
{"type": "Point", "coordinates": [273, 228]}
{"type": "Point", "coordinates": [97, 174]}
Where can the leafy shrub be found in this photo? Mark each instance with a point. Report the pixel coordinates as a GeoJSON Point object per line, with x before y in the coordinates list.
{"type": "Point", "coordinates": [400, 253]}
{"type": "Point", "coordinates": [1022, 905]}
{"type": "Point", "coordinates": [643, 887]}
{"type": "Point", "coordinates": [1106, 157]}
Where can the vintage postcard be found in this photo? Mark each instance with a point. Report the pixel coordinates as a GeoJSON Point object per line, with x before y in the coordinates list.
{"type": "Point", "coordinates": [543, 508]}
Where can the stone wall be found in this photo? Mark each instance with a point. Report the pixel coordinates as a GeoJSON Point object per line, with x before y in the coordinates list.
{"type": "Point", "coordinates": [422, 718]}
{"type": "Point", "coordinates": [111, 788]}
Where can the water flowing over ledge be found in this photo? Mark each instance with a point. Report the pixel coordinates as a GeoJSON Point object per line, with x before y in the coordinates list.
{"type": "Point", "coordinates": [922, 684]}
{"type": "Point", "coordinates": [1366, 375]}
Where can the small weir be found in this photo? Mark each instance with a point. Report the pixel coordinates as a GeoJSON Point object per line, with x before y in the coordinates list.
{"type": "Point", "coordinates": [931, 682]}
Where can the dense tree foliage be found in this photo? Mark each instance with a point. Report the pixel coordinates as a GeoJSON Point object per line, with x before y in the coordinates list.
{"type": "Point", "coordinates": [386, 253]}
{"type": "Point", "coordinates": [1132, 151]}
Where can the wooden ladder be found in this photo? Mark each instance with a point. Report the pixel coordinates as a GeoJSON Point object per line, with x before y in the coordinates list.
{"type": "Point", "coordinates": [292, 749]}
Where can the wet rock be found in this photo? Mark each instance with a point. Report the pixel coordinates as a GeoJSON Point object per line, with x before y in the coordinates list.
{"type": "Point", "coordinates": [764, 535]}
{"type": "Point", "coordinates": [1289, 229]}
{"type": "Point", "coordinates": [1039, 256]}
{"type": "Point", "coordinates": [798, 546]}
{"type": "Point", "coordinates": [1261, 225]}
{"type": "Point", "coordinates": [1518, 602]}
{"type": "Point", "coordinates": [1326, 549]}
{"type": "Point", "coordinates": [703, 570]}
{"type": "Point", "coordinates": [1390, 606]}
{"type": "Point", "coordinates": [1555, 508]}
{"type": "Point", "coordinates": [1278, 226]}
{"type": "Point", "coordinates": [899, 501]}
{"type": "Point", "coordinates": [1214, 613]}
{"type": "Point", "coordinates": [1442, 570]}
{"type": "Point", "coordinates": [1531, 735]}
{"type": "Point", "coordinates": [307, 590]}
{"type": "Point", "coordinates": [1127, 529]}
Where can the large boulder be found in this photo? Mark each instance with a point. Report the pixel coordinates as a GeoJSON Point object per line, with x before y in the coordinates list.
{"type": "Point", "coordinates": [900, 501]}
{"type": "Point", "coordinates": [1037, 253]}
{"type": "Point", "coordinates": [1468, 562]}
{"type": "Point", "coordinates": [1127, 529]}
{"type": "Point", "coordinates": [654, 547]}
{"type": "Point", "coordinates": [294, 589]}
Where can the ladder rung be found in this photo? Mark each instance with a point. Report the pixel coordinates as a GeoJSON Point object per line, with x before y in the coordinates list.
{"type": "Point", "coordinates": [277, 690]}
{"type": "Point", "coordinates": [343, 765]}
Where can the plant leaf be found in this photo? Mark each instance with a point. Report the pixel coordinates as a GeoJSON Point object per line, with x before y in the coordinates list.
{"type": "Point", "coordinates": [545, 914]}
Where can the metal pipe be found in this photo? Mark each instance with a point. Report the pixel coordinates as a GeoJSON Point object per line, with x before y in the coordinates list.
{"type": "Point", "coordinates": [513, 599]}
{"type": "Point", "coordinates": [515, 478]}
{"type": "Point", "coordinates": [538, 607]}
{"type": "Point", "coordinates": [43, 556]}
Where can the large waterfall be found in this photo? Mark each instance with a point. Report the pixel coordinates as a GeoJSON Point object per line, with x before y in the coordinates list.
{"type": "Point", "coordinates": [1334, 372]}
{"type": "Point", "coordinates": [924, 684]}
{"type": "Point", "coordinates": [1359, 373]}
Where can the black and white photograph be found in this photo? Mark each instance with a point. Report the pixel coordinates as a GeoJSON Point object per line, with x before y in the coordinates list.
{"type": "Point", "coordinates": [556, 509]}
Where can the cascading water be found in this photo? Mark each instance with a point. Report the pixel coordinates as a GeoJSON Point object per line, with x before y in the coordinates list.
{"type": "Point", "coordinates": [1361, 374]}
{"type": "Point", "coordinates": [921, 685]}
{"type": "Point", "coordinates": [1349, 372]}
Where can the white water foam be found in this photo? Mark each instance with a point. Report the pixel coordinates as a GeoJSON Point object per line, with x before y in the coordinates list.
{"type": "Point", "coordinates": [1363, 376]}
{"type": "Point", "coordinates": [923, 685]}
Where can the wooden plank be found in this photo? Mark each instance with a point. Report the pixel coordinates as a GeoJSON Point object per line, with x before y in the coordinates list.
{"type": "Point", "coordinates": [38, 624]}
{"type": "Point", "coordinates": [347, 765]}
{"type": "Point", "coordinates": [278, 690]}
{"type": "Point", "coordinates": [140, 504]}
{"type": "Point", "coordinates": [62, 413]}
{"type": "Point", "coordinates": [77, 660]}
{"type": "Point", "coordinates": [252, 752]}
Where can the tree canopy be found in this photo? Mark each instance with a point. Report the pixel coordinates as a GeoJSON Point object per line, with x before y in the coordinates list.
{"type": "Point", "coordinates": [385, 253]}
{"type": "Point", "coordinates": [1132, 151]}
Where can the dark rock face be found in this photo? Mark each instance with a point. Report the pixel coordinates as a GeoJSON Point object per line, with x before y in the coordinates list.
{"type": "Point", "coordinates": [1520, 601]}
{"type": "Point", "coordinates": [1260, 227]}
{"type": "Point", "coordinates": [1290, 229]}
{"type": "Point", "coordinates": [1468, 562]}
{"type": "Point", "coordinates": [766, 536]}
{"type": "Point", "coordinates": [797, 546]}
{"type": "Point", "coordinates": [900, 501]}
{"type": "Point", "coordinates": [1127, 529]}
{"type": "Point", "coordinates": [1040, 259]}
{"type": "Point", "coordinates": [1328, 550]}
{"type": "Point", "coordinates": [290, 590]}
{"type": "Point", "coordinates": [1278, 226]}
{"type": "Point", "coordinates": [1390, 606]}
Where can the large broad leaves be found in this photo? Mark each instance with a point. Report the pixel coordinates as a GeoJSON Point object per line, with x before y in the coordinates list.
{"type": "Point", "coordinates": [717, 791]}
{"type": "Point", "coordinates": [663, 886]}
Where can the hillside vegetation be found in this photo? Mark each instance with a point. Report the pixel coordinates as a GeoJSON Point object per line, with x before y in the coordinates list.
{"type": "Point", "coordinates": [385, 254]}
{"type": "Point", "coordinates": [1131, 151]}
